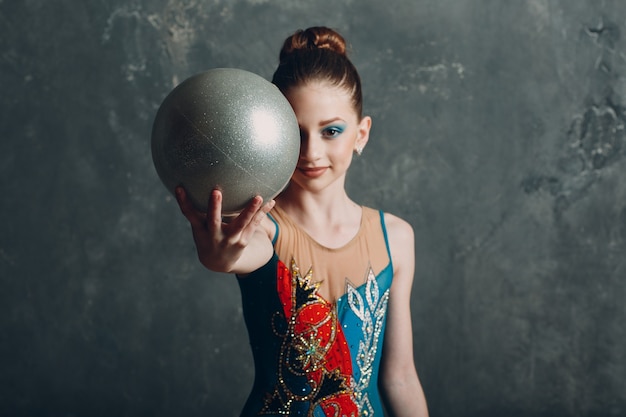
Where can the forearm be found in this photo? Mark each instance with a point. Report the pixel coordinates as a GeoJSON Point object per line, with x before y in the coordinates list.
{"type": "Point", "coordinates": [403, 397]}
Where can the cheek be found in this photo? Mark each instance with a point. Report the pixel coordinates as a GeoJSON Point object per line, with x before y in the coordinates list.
{"type": "Point", "coordinates": [346, 150]}
{"type": "Point", "coordinates": [350, 144]}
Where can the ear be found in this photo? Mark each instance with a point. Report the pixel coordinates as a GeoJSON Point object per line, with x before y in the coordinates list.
{"type": "Point", "coordinates": [363, 134]}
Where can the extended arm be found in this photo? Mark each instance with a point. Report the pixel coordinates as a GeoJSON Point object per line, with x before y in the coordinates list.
{"type": "Point", "coordinates": [239, 246]}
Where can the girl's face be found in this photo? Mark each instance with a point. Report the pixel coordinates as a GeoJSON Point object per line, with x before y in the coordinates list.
{"type": "Point", "coordinates": [330, 132]}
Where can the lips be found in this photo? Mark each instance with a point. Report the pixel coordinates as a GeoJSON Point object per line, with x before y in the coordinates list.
{"type": "Point", "coordinates": [313, 172]}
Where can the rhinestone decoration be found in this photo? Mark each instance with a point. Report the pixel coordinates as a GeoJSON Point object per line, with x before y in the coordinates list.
{"type": "Point", "coordinates": [314, 364]}
{"type": "Point", "coordinates": [371, 312]}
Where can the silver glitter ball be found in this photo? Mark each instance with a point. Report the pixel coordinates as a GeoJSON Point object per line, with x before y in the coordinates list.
{"type": "Point", "coordinates": [229, 129]}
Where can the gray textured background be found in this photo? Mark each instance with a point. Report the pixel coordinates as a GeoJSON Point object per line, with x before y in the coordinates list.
{"type": "Point", "coordinates": [498, 134]}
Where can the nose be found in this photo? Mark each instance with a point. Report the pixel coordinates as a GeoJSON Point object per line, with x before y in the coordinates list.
{"type": "Point", "coordinates": [309, 147]}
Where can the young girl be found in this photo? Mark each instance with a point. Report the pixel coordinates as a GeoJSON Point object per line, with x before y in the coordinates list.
{"type": "Point", "coordinates": [324, 281]}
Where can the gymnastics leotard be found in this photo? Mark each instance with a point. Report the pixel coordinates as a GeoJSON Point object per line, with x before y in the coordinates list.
{"type": "Point", "coordinates": [313, 357]}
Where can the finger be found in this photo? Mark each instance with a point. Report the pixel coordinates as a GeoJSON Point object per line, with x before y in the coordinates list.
{"type": "Point", "coordinates": [256, 220]}
{"type": "Point", "coordinates": [214, 210]}
{"type": "Point", "coordinates": [182, 199]}
{"type": "Point", "coordinates": [269, 206]}
{"type": "Point", "coordinates": [187, 207]}
{"type": "Point", "coordinates": [247, 214]}
{"type": "Point", "coordinates": [261, 213]}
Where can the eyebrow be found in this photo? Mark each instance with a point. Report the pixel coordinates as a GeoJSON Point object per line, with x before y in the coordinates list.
{"type": "Point", "coordinates": [333, 120]}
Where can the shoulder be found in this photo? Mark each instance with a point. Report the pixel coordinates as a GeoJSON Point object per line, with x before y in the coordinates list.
{"type": "Point", "coordinates": [398, 230]}
{"type": "Point", "coordinates": [401, 239]}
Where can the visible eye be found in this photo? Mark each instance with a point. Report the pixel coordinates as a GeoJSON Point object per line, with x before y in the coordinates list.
{"type": "Point", "coordinates": [332, 131]}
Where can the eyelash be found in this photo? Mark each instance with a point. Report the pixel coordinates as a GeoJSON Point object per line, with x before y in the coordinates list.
{"type": "Point", "coordinates": [332, 131]}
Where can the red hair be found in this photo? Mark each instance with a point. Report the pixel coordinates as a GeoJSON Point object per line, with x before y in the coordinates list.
{"type": "Point", "coordinates": [318, 54]}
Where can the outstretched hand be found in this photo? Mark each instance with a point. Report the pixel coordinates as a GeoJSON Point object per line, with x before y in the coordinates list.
{"type": "Point", "coordinates": [221, 244]}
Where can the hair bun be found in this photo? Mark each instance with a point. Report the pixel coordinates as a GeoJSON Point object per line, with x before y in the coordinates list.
{"type": "Point", "coordinates": [317, 37]}
{"type": "Point", "coordinates": [318, 54]}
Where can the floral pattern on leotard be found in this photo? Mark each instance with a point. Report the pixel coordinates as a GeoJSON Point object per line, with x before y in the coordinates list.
{"type": "Point", "coordinates": [371, 311]}
{"type": "Point", "coordinates": [315, 366]}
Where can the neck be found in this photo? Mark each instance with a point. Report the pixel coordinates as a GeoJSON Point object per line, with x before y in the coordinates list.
{"type": "Point", "coordinates": [328, 205]}
{"type": "Point", "coordinates": [329, 217]}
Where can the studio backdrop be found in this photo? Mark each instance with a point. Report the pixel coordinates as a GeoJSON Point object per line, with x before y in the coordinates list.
{"type": "Point", "coordinates": [498, 133]}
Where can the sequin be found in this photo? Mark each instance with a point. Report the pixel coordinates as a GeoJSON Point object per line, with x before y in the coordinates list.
{"type": "Point", "coordinates": [372, 312]}
{"type": "Point", "coordinates": [313, 346]}
{"type": "Point", "coordinates": [312, 357]}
